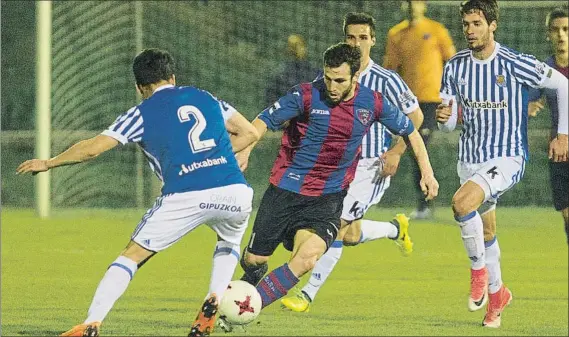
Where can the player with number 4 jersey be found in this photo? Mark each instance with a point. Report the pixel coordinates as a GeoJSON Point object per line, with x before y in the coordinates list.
{"type": "Point", "coordinates": [189, 138]}
{"type": "Point", "coordinates": [490, 83]}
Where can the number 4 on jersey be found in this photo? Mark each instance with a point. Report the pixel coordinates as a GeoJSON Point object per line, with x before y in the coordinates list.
{"type": "Point", "coordinates": [196, 144]}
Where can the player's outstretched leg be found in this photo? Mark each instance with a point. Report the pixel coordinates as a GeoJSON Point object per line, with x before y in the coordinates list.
{"type": "Point", "coordinates": [111, 287]}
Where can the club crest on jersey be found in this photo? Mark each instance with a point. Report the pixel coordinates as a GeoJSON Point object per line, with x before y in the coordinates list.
{"type": "Point", "coordinates": [501, 80]}
{"type": "Point", "coordinates": [364, 116]}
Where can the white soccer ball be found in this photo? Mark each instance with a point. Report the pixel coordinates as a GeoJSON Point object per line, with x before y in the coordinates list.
{"type": "Point", "coordinates": [241, 303]}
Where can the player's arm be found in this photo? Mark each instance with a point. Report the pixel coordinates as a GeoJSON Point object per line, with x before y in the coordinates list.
{"type": "Point", "coordinates": [399, 124]}
{"type": "Point", "coordinates": [559, 146]}
{"type": "Point", "coordinates": [273, 118]}
{"type": "Point", "coordinates": [397, 91]}
{"type": "Point", "coordinates": [537, 74]}
{"type": "Point", "coordinates": [84, 150]}
{"type": "Point", "coordinates": [447, 115]}
{"type": "Point", "coordinates": [241, 132]}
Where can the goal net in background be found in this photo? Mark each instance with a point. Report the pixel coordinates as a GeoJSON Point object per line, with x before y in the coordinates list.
{"type": "Point", "coordinates": [230, 48]}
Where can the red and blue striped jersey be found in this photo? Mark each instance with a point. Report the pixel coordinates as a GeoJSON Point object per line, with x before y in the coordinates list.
{"type": "Point", "coordinates": [321, 143]}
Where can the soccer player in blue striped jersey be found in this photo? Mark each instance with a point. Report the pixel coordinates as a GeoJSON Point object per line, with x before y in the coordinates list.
{"type": "Point", "coordinates": [367, 189]}
{"type": "Point", "coordinates": [189, 137]}
{"type": "Point", "coordinates": [490, 82]}
{"type": "Point", "coordinates": [557, 23]}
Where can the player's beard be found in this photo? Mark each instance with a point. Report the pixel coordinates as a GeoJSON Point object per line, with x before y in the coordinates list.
{"type": "Point", "coordinates": [342, 96]}
{"type": "Point", "coordinates": [484, 40]}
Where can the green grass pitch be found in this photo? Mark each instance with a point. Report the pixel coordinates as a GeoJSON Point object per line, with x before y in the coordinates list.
{"type": "Point", "coordinates": [50, 269]}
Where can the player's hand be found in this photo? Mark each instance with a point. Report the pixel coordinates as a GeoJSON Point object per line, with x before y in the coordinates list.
{"type": "Point", "coordinates": [558, 148]}
{"type": "Point", "coordinates": [430, 187]}
{"type": "Point", "coordinates": [390, 163]}
{"type": "Point", "coordinates": [535, 107]}
{"type": "Point", "coordinates": [34, 166]}
{"type": "Point", "coordinates": [444, 112]}
{"type": "Point", "coordinates": [378, 167]}
{"type": "Point", "coordinates": [243, 159]}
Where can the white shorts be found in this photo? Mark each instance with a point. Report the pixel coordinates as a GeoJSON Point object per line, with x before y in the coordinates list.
{"type": "Point", "coordinates": [363, 193]}
{"type": "Point", "coordinates": [224, 209]}
{"type": "Point", "coordinates": [495, 176]}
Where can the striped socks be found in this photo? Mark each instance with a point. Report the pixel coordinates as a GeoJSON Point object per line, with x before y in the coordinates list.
{"type": "Point", "coordinates": [276, 284]}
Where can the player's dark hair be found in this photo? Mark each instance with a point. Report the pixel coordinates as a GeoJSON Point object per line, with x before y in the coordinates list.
{"type": "Point", "coordinates": [354, 18]}
{"type": "Point", "coordinates": [557, 13]}
{"type": "Point", "coordinates": [341, 53]}
{"type": "Point", "coordinates": [488, 7]}
{"type": "Point", "coordinates": [152, 65]}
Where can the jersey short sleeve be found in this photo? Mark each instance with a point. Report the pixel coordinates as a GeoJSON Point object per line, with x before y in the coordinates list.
{"type": "Point", "coordinates": [285, 109]}
{"type": "Point", "coordinates": [127, 128]}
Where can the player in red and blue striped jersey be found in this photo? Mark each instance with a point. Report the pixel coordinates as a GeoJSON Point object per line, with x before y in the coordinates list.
{"type": "Point", "coordinates": [367, 188]}
{"type": "Point", "coordinates": [324, 123]}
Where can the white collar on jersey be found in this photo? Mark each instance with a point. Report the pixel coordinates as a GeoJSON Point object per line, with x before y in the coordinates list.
{"type": "Point", "coordinates": [489, 59]}
{"type": "Point", "coordinates": [165, 86]}
{"type": "Point", "coordinates": [367, 69]}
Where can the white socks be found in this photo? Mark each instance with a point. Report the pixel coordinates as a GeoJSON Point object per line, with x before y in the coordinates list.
{"type": "Point", "coordinates": [493, 265]}
{"type": "Point", "coordinates": [111, 287]}
{"type": "Point", "coordinates": [373, 230]}
{"type": "Point", "coordinates": [472, 230]}
{"type": "Point", "coordinates": [225, 260]}
{"type": "Point", "coordinates": [323, 269]}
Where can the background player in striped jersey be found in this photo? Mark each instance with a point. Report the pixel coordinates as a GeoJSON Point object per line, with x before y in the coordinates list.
{"type": "Point", "coordinates": [557, 24]}
{"type": "Point", "coordinates": [324, 123]}
{"type": "Point", "coordinates": [491, 83]}
{"type": "Point", "coordinates": [417, 49]}
{"type": "Point", "coordinates": [366, 190]}
{"type": "Point", "coordinates": [184, 133]}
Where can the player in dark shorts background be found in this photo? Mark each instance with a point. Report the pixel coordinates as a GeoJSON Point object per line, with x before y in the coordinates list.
{"type": "Point", "coordinates": [557, 28]}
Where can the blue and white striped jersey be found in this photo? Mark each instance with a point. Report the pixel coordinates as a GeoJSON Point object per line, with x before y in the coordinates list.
{"type": "Point", "coordinates": [181, 130]}
{"type": "Point", "coordinates": [493, 94]}
{"type": "Point", "coordinates": [391, 86]}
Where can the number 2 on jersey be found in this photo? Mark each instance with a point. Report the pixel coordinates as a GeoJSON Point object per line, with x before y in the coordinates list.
{"type": "Point", "coordinates": [196, 144]}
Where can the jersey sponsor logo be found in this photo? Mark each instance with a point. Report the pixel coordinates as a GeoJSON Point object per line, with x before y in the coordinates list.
{"type": "Point", "coordinates": [185, 169]}
{"type": "Point", "coordinates": [484, 104]}
{"type": "Point", "coordinates": [319, 112]}
{"type": "Point", "coordinates": [364, 116]}
{"type": "Point", "coordinates": [221, 207]}
{"type": "Point", "coordinates": [501, 80]}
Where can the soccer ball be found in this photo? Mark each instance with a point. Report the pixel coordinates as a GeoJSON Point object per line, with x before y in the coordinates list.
{"type": "Point", "coordinates": [241, 303]}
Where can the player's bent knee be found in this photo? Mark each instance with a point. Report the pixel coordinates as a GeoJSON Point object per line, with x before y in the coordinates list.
{"type": "Point", "coordinates": [460, 204]}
